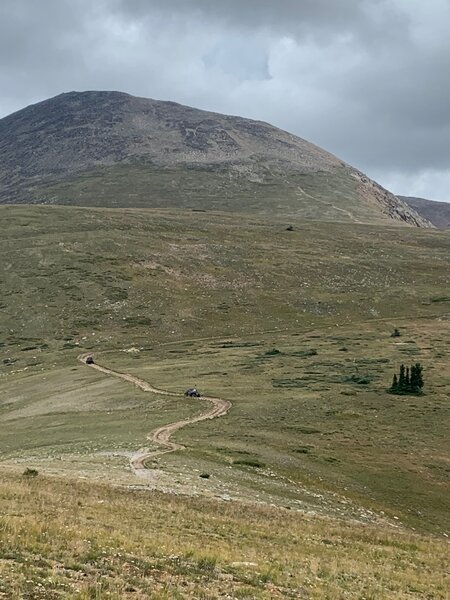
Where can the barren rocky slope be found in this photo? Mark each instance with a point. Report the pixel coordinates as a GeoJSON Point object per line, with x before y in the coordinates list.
{"type": "Point", "coordinates": [113, 149]}
{"type": "Point", "coordinates": [437, 213]}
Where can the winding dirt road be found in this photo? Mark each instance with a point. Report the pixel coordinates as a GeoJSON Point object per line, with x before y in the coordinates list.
{"type": "Point", "coordinates": [162, 435]}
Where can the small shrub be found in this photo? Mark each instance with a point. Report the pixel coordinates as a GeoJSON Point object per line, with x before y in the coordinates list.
{"type": "Point", "coordinates": [359, 379]}
{"type": "Point", "coordinates": [303, 449]}
{"type": "Point", "coordinates": [9, 361]}
{"type": "Point", "coordinates": [205, 475]}
{"type": "Point", "coordinates": [238, 344]}
{"type": "Point", "coordinates": [308, 430]}
{"type": "Point", "coordinates": [395, 333]}
{"type": "Point", "coordinates": [207, 564]}
{"type": "Point", "coordinates": [30, 472]}
{"type": "Point", "coordinates": [272, 352]}
{"type": "Point", "coordinates": [136, 320]}
{"type": "Point", "coordinates": [246, 462]}
{"type": "Point", "coordinates": [305, 353]}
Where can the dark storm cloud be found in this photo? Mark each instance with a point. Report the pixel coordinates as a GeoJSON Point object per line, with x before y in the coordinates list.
{"type": "Point", "coordinates": [366, 79]}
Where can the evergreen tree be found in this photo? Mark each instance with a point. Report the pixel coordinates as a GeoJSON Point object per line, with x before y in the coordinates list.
{"type": "Point", "coordinates": [401, 378]}
{"type": "Point", "coordinates": [419, 378]}
{"type": "Point", "coordinates": [394, 386]}
{"type": "Point", "coordinates": [413, 380]}
{"type": "Point", "coordinates": [409, 380]}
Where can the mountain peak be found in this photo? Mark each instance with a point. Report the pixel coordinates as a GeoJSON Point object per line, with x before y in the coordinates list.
{"type": "Point", "coordinates": [144, 152]}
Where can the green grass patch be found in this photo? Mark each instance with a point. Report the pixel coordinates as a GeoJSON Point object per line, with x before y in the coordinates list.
{"type": "Point", "coordinates": [248, 462]}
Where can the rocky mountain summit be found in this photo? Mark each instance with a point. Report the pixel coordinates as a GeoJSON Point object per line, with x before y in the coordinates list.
{"type": "Point", "coordinates": [113, 149]}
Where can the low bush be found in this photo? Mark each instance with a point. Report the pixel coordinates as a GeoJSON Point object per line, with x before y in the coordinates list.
{"type": "Point", "coordinates": [359, 379]}
{"type": "Point", "coordinates": [30, 472]}
{"type": "Point", "coordinates": [246, 462]}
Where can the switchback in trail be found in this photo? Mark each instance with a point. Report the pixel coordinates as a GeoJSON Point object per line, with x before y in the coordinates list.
{"type": "Point", "coordinates": [162, 434]}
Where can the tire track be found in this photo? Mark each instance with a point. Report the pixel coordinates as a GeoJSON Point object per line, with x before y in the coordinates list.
{"type": "Point", "coordinates": [162, 434]}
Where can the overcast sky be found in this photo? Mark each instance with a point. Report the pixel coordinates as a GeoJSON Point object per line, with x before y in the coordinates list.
{"type": "Point", "coordinates": [368, 80]}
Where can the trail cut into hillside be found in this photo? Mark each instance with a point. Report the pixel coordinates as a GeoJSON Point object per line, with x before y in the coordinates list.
{"type": "Point", "coordinates": [162, 434]}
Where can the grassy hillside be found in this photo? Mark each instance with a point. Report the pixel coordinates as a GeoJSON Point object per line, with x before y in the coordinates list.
{"type": "Point", "coordinates": [78, 541]}
{"type": "Point", "coordinates": [337, 195]}
{"type": "Point", "coordinates": [294, 327]}
{"type": "Point", "coordinates": [323, 195]}
{"type": "Point", "coordinates": [162, 275]}
{"type": "Point", "coordinates": [296, 332]}
{"type": "Point", "coordinates": [212, 187]}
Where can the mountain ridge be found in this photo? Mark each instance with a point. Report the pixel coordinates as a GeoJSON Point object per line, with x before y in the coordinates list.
{"type": "Point", "coordinates": [100, 148]}
{"type": "Point", "coordinates": [434, 211]}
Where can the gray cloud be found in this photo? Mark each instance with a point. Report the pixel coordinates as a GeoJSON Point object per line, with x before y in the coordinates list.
{"type": "Point", "coordinates": [286, 16]}
{"type": "Point", "coordinates": [366, 79]}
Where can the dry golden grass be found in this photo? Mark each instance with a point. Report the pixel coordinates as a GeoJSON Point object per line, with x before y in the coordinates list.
{"type": "Point", "coordinates": [62, 539]}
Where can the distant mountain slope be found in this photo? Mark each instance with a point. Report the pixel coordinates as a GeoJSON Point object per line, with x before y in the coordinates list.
{"type": "Point", "coordinates": [113, 149]}
{"type": "Point", "coordinates": [437, 213]}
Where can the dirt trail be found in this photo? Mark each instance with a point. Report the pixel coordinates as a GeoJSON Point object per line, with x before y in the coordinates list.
{"type": "Point", "coordinates": [162, 435]}
{"type": "Point", "coordinates": [343, 210]}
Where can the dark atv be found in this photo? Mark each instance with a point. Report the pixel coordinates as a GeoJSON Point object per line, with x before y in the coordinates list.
{"type": "Point", "coordinates": [192, 393]}
{"type": "Point", "coordinates": [89, 360]}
